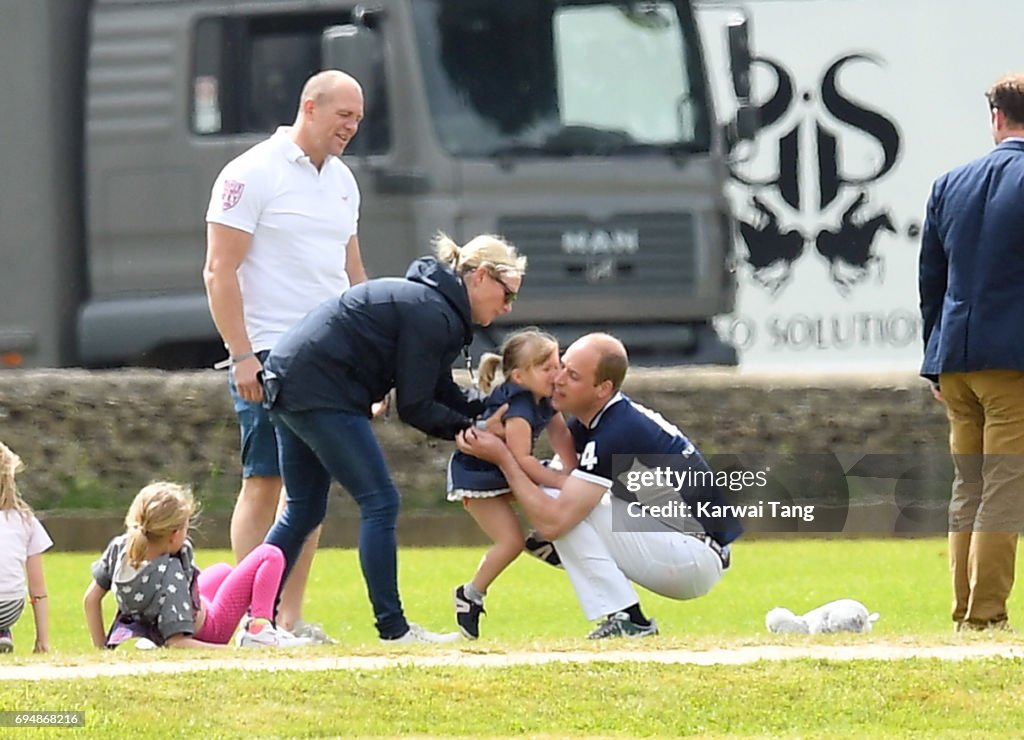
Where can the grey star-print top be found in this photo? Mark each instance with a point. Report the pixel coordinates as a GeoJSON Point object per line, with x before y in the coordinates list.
{"type": "Point", "coordinates": [159, 592]}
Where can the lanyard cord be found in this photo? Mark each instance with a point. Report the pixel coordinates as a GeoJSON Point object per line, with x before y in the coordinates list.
{"type": "Point", "coordinates": [469, 363]}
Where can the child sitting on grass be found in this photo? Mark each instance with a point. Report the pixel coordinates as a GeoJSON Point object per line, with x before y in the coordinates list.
{"type": "Point", "coordinates": [22, 543]}
{"type": "Point", "coordinates": [162, 596]}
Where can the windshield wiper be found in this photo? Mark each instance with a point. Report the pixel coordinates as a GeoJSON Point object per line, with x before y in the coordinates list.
{"type": "Point", "coordinates": [572, 141]}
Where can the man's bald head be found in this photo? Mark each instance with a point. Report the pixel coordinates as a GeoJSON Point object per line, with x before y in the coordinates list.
{"type": "Point", "coordinates": [330, 110]}
{"type": "Point", "coordinates": [323, 85]}
{"type": "Point", "coordinates": [612, 360]}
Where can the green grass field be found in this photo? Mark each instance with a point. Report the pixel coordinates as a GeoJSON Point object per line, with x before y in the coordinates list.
{"type": "Point", "coordinates": [532, 608]}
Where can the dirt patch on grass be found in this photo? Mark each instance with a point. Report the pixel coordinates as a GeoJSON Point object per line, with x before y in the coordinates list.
{"type": "Point", "coordinates": [306, 660]}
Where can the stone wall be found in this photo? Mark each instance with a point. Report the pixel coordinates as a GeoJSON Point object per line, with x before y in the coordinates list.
{"type": "Point", "coordinates": [90, 440]}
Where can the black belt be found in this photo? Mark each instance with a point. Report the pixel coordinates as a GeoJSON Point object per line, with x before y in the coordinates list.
{"type": "Point", "coordinates": [719, 550]}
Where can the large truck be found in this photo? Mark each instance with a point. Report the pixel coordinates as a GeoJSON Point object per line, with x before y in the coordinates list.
{"type": "Point", "coordinates": [581, 130]}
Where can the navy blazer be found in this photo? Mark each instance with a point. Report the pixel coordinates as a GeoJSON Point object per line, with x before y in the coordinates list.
{"type": "Point", "coordinates": [971, 273]}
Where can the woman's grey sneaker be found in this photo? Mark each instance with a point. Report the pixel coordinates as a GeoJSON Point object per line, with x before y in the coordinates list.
{"type": "Point", "coordinates": [467, 614]}
{"type": "Point", "coordinates": [314, 632]}
{"type": "Point", "coordinates": [620, 625]}
{"type": "Point", "coordinates": [417, 634]}
{"type": "Point", "coordinates": [542, 549]}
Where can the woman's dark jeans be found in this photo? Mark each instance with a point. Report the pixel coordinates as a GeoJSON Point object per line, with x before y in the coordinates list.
{"type": "Point", "coordinates": [315, 446]}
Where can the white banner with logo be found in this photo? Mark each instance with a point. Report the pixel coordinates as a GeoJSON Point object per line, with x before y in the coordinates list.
{"type": "Point", "coordinates": [863, 104]}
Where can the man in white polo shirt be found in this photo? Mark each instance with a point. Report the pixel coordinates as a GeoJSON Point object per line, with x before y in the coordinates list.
{"type": "Point", "coordinates": [281, 239]}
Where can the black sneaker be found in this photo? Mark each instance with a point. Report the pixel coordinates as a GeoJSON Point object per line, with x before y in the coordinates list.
{"type": "Point", "coordinates": [620, 625]}
{"type": "Point", "coordinates": [542, 549]}
{"type": "Point", "coordinates": [467, 614]}
{"type": "Point", "coordinates": [6, 641]}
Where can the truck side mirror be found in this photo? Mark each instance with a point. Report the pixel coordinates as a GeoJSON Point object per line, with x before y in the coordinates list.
{"type": "Point", "coordinates": [739, 56]}
{"type": "Point", "coordinates": [746, 123]}
{"type": "Point", "coordinates": [352, 49]}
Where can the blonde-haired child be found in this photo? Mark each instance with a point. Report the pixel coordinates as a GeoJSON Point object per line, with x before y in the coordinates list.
{"type": "Point", "coordinates": [162, 596]}
{"type": "Point", "coordinates": [22, 544]}
{"type": "Point", "coordinates": [529, 362]}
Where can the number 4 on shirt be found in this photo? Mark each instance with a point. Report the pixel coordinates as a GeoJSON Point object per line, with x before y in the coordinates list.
{"type": "Point", "coordinates": [588, 459]}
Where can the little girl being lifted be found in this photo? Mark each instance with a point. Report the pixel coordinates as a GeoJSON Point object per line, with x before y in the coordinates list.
{"type": "Point", "coordinates": [529, 362]}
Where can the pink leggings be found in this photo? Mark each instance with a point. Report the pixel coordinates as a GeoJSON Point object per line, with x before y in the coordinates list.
{"type": "Point", "coordinates": [227, 592]}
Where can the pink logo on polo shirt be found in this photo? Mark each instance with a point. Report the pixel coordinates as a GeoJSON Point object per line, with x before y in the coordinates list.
{"type": "Point", "coordinates": [232, 194]}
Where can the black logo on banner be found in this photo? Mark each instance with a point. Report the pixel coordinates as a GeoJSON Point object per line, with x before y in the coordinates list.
{"type": "Point", "coordinates": [848, 247]}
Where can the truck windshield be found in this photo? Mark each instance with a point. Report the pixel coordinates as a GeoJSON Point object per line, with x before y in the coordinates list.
{"type": "Point", "coordinates": [556, 78]}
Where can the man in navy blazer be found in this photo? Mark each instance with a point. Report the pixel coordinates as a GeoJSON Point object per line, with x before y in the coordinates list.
{"type": "Point", "coordinates": [971, 282]}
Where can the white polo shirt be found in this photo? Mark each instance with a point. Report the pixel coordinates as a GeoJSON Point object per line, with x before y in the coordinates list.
{"type": "Point", "coordinates": [301, 221]}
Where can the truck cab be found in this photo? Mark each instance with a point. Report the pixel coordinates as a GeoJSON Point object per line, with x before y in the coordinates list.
{"type": "Point", "coordinates": [580, 130]}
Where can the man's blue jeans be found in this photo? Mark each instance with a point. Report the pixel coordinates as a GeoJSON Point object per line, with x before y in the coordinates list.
{"type": "Point", "coordinates": [318, 445]}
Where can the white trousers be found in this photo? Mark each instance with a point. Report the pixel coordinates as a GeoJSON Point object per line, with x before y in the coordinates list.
{"type": "Point", "coordinates": [603, 563]}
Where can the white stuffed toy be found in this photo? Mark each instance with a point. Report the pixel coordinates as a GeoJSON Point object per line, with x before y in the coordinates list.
{"type": "Point", "coordinates": [843, 615]}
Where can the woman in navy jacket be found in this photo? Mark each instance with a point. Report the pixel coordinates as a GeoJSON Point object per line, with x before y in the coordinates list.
{"type": "Point", "coordinates": [324, 375]}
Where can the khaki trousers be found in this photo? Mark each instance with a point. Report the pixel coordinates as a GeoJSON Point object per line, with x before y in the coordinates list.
{"type": "Point", "coordinates": [986, 512]}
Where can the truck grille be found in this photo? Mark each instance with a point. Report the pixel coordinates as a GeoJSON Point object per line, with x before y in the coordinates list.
{"type": "Point", "coordinates": [634, 251]}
